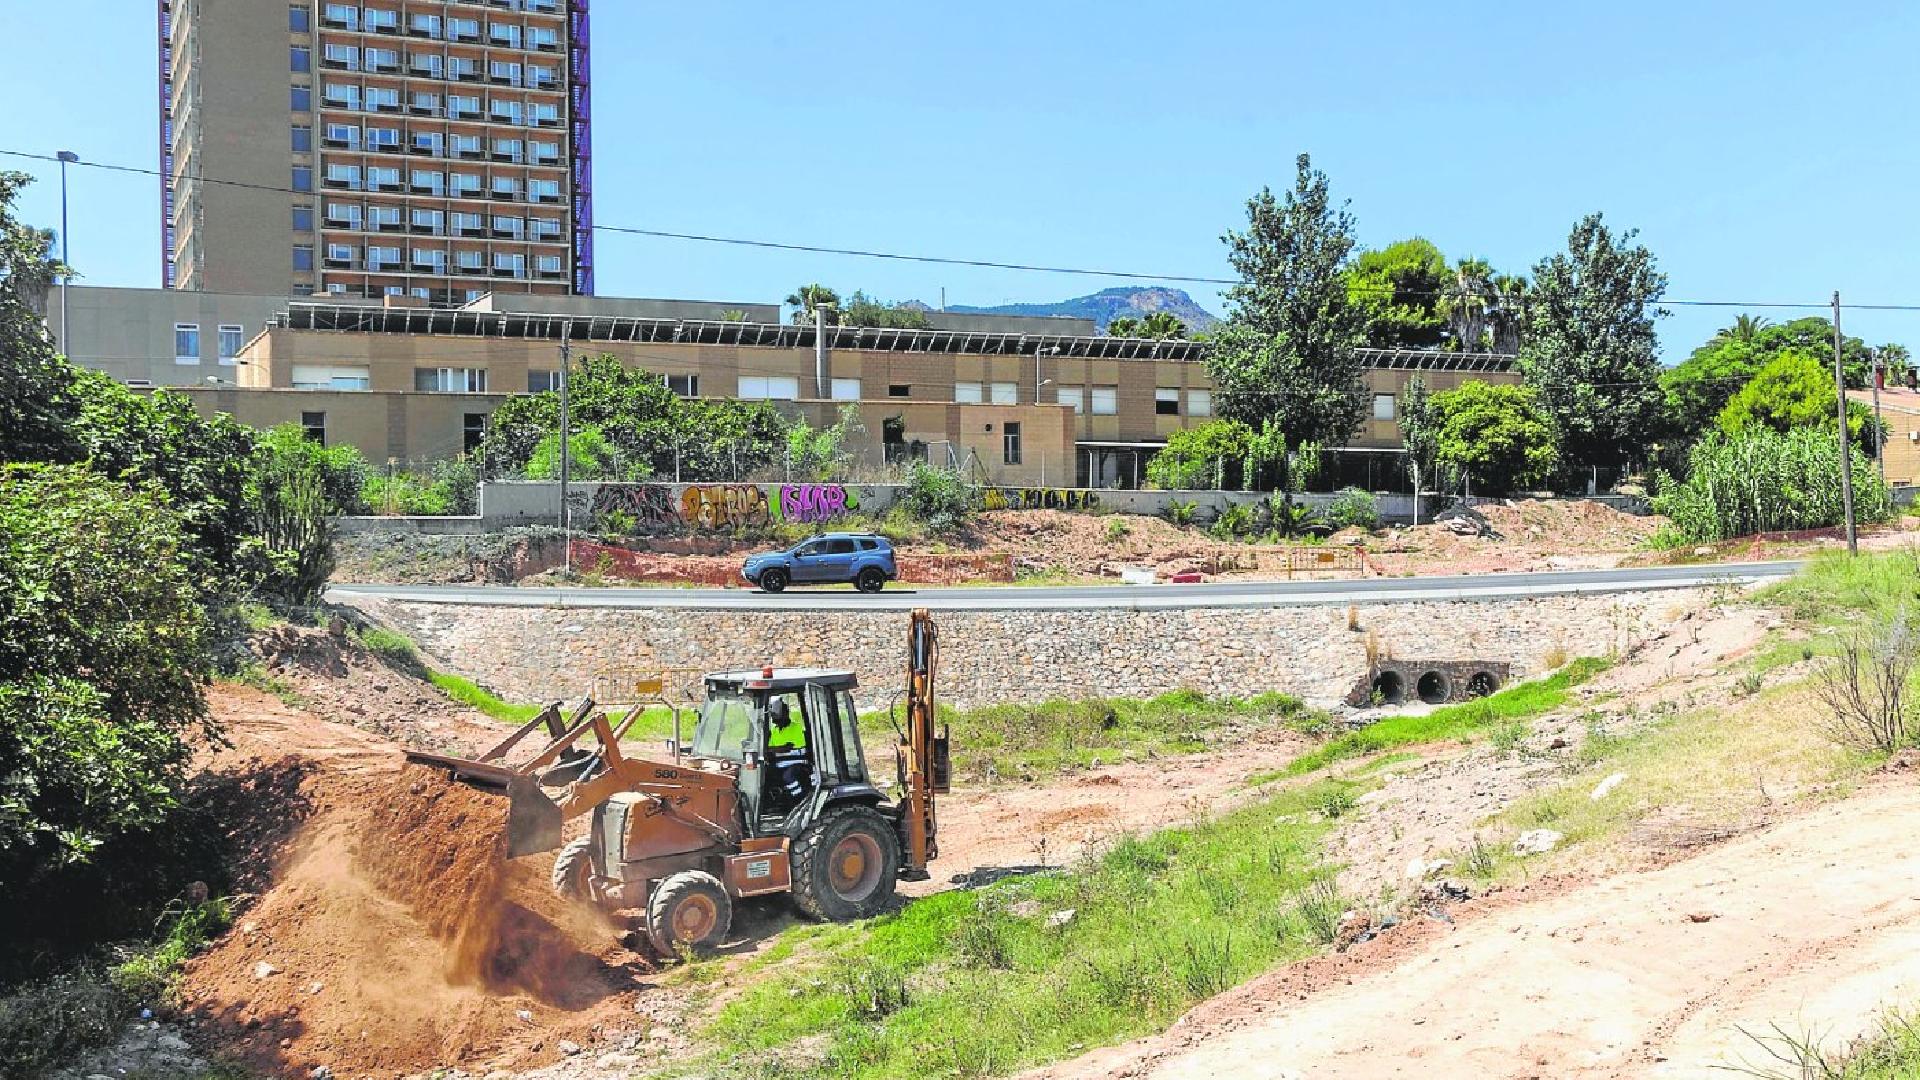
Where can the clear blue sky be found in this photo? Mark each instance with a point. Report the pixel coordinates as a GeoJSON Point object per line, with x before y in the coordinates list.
{"type": "Point", "coordinates": [1766, 151]}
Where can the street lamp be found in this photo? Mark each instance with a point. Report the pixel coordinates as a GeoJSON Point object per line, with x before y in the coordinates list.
{"type": "Point", "coordinates": [66, 157]}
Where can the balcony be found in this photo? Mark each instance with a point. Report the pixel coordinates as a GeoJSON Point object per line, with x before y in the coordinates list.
{"type": "Point", "coordinates": [341, 183]}
{"type": "Point", "coordinates": [335, 142]}
{"type": "Point", "coordinates": [424, 108]}
{"type": "Point", "coordinates": [504, 196]}
{"type": "Point", "coordinates": [504, 234]}
{"type": "Point", "coordinates": [550, 275]}
{"type": "Point", "coordinates": [341, 264]}
{"type": "Point", "coordinates": [426, 230]}
{"type": "Point", "coordinates": [430, 268]}
{"type": "Point", "coordinates": [513, 157]}
{"type": "Point", "coordinates": [427, 149]}
{"type": "Point", "coordinates": [389, 226]}
{"type": "Point", "coordinates": [386, 185]}
{"type": "Point", "coordinates": [477, 231]}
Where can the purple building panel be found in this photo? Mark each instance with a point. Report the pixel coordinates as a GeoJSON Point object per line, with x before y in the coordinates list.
{"type": "Point", "coordinates": [580, 80]}
{"type": "Point", "coordinates": [167, 267]}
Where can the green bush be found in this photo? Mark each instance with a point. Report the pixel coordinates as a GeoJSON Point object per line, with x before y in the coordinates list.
{"type": "Point", "coordinates": [1761, 480]}
{"type": "Point", "coordinates": [450, 487]}
{"type": "Point", "coordinates": [1353, 509]}
{"type": "Point", "coordinates": [290, 546]}
{"type": "Point", "coordinates": [100, 664]}
{"type": "Point", "coordinates": [1235, 521]}
{"type": "Point", "coordinates": [342, 471]}
{"type": "Point", "coordinates": [940, 498]}
{"type": "Point", "coordinates": [1181, 513]}
{"type": "Point", "coordinates": [1193, 458]}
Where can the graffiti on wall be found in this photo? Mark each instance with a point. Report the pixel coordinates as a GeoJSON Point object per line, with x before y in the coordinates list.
{"type": "Point", "coordinates": [1005, 498]}
{"type": "Point", "coordinates": [719, 507]}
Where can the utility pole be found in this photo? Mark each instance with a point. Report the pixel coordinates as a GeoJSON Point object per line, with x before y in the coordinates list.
{"type": "Point", "coordinates": [820, 350]}
{"type": "Point", "coordinates": [566, 438]}
{"type": "Point", "coordinates": [1846, 449]}
{"type": "Point", "coordinates": [66, 274]}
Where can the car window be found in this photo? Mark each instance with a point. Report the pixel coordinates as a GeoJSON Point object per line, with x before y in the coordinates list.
{"type": "Point", "coordinates": [839, 547]}
{"type": "Point", "coordinates": [868, 545]}
{"type": "Point", "coordinates": [807, 550]}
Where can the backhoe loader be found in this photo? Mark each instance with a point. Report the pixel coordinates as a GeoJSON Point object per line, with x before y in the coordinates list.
{"type": "Point", "coordinates": [773, 795]}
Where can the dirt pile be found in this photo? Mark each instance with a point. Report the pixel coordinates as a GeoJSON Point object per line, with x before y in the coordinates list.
{"type": "Point", "coordinates": [392, 937]}
{"type": "Point", "coordinates": [337, 678]}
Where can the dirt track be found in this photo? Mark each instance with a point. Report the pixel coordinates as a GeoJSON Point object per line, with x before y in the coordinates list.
{"type": "Point", "coordinates": [1813, 925]}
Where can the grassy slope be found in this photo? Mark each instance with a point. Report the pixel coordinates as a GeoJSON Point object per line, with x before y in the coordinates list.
{"type": "Point", "coordinates": [1517, 702]}
{"type": "Point", "coordinates": [979, 983]}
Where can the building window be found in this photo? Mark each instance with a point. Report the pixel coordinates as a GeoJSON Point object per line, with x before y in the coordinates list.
{"type": "Point", "coordinates": [1006, 393]}
{"type": "Point", "coordinates": [186, 343]}
{"type": "Point", "coordinates": [1010, 443]}
{"type": "Point", "coordinates": [314, 424]}
{"type": "Point", "coordinates": [549, 266]}
{"type": "Point", "coordinates": [967, 392]}
{"type": "Point", "coordinates": [1383, 406]}
{"type": "Point", "coordinates": [301, 58]}
{"type": "Point", "coordinates": [1106, 400]}
{"type": "Point", "coordinates": [1199, 403]}
{"type": "Point", "coordinates": [382, 22]}
{"type": "Point", "coordinates": [302, 139]}
{"type": "Point", "coordinates": [302, 178]}
{"type": "Point", "coordinates": [905, 390]}
{"type": "Point", "coordinates": [383, 140]}
{"type": "Point", "coordinates": [769, 388]}
{"type": "Point", "coordinates": [846, 389]}
{"type": "Point", "coordinates": [344, 135]}
{"type": "Point", "coordinates": [303, 253]}
{"type": "Point", "coordinates": [451, 380]}
{"type": "Point", "coordinates": [426, 26]}
{"type": "Point", "coordinates": [231, 338]}
{"type": "Point", "coordinates": [297, 20]}
{"type": "Point", "coordinates": [1074, 396]}
{"type": "Point", "coordinates": [473, 431]}
{"type": "Point", "coordinates": [303, 219]}
{"type": "Point", "coordinates": [683, 385]}
{"type": "Point", "coordinates": [383, 99]}
{"type": "Point", "coordinates": [383, 218]}
{"type": "Point", "coordinates": [302, 99]}
{"type": "Point", "coordinates": [541, 382]}
{"type": "Point", "coordinates": [1166, 402]}
{"type": "Point", "coordinates": [341, 16]}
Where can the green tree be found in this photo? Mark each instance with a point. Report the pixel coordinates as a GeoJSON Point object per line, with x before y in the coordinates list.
{"type": "Point", "coordinates": [806, 298]}
{"type": "Point", "coordinates": [1123, 326]}
{"type": "Point", "coordinates": [1794, 390]}
{"type": "Point", "coordinates": [1698, 388]}
{"type": "Point", "coordinates": [1208, 456]}
{"type": "Point", "coordinates": [823, 453]}
{"type": "Point", "coordinates": [1398, 289]}
{"type": "Point", "coordinates": [1587, 344]}
{"type": "Point", "coordinates": [100, 663]}
{"type": "Point", "coordinates": [1286, 360]}
{"type": "Point", "coordinates": [656, 432]}
{"type": "Point", "coordinates": [1508, 313]}
{"type": "Point", "coordinates": [342, 471]}
{"type": "Point", "coordinates": [1162, 325]}
{"type": "Point", "coordinates": [864, 310]}
{"type": "Point", "coordinates": [36, 399]}
{"type": "Point", "coordinates": [591, 457]}
{"type": "Point", "coordinates": [1496, 435]}
{"type": "Point", "coordinates": [1420, 434]}
{"type": "Point", "coordinates": [1467, 302]}
{"type": "Point", "coordinates": [290, 542]}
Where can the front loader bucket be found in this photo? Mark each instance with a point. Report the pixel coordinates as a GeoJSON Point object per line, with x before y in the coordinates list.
{"type": "Point", "coordinates": [533, 818]}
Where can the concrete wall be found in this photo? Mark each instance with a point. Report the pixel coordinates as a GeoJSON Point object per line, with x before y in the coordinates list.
{"type": "Point", "coordinates": [410, 429]}
{"type": "Point", "coordinates": [128, 333]}
{"type": "Point", "coordinates": [532, 654]}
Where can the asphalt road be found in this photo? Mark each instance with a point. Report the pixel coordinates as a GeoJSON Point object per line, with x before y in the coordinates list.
{"type": "Point", "coordinates": [1220, 594]}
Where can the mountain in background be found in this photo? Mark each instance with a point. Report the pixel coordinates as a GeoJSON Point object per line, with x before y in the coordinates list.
{"type": "Point", "coordinates": [1104, 305]}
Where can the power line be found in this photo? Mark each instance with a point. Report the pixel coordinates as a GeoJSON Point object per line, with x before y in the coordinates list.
{"type": "Point", "coordinates": [819, 249]}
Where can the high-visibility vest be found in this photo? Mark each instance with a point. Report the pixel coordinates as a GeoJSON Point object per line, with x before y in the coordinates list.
{"type": "Point", "coordinates": [793, 733]}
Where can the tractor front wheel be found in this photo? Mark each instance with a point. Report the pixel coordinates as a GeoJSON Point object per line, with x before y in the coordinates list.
{"type": "Point", "coordinates": [845, 865]}
{"type": "Point", "coordinates": [573, 872]}
{"type": "Point", "coordinates": [690, 910]}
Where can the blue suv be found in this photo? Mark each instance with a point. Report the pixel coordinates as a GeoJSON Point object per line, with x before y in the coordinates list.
{"type": "Point", "coordinates": [861, 558]}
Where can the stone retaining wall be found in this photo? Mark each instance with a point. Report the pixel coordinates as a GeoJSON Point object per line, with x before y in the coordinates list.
{"type": "Point", "coordinates": [531, 654]}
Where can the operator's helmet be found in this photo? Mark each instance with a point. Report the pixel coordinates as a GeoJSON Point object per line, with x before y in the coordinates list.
{"type": "Point", "coordinates": [777, 713]}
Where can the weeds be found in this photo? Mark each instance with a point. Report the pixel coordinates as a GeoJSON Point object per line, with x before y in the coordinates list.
{"type": "Point", "coordinates": [1507, 736]}
{"type": "Point", "coordinates": [1318, 908]}
{"type": "Point", "coordinates": [1516, 702]}
{"type": "Point", "coordinates": [1117, 530]}
{"type": "Point", "coordinates": [1864, 687]}
{"type": "Point", "coordinates": [1749, 684]}
{"type": "Point", "coordinates": [148, 975]}
{"type": "Point", "coordinates": [399, 653]}
{"type": "Point", "coordinates": [1479, 860]}
{"type": "Point", "coordinates": [1889, 1052]}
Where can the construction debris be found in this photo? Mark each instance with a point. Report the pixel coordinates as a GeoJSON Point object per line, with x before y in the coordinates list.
{"type": "Point", "coordinates": [1536, 842]}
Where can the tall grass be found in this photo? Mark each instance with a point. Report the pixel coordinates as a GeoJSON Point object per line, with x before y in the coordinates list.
{"type": "Point", "coordinates": [987, 982]}
{"type": "Point", "coordinates": [1834, 587]}
{"type": "Point", "coordinates": [399, 652]}
{"type": "Point", "coordinates": [1030, 741]}
{"type": "Point", "coordinates": [1515, 703]}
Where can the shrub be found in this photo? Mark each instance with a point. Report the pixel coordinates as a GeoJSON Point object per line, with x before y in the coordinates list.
{"type": "Point", "coordinates": [342, 471]}
{"type": "Point", "coordinates": [1235, 521]}
{"type": "Point", "coordinates": [1354, 509]}
{"type": "Point", "coordinates": [940, 498]}
{"type": "Point", "coordinates": [1498, 435]}
{"type": "Point", "coordinates": [100, 664]}
{"type": "Point", "coordinates": [1761, 480]}
{"type": "Point", "coordinates": [45, 1023]}
{"type": "Point", "coordinates": [1864, 686]}
{"type": "Point", "coordinates": [290, 549]}
{"type": "Point", "coordinates": [1117, 530]}
{"type": "Point", "coordinates": [1195, 457]}
{"type": "Point", "coordinates": [1181, 513]}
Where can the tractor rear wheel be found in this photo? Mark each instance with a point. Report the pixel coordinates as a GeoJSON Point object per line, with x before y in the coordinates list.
{"type": "Point", "coordinates": [872, 579]}
{"type": "Point", "coordinates": [573, 871]}
{"type": "Point", "coordinates": [690, 910]}
{"type": "Point", "coordinates": [845, 865]}
{"type": "Point", "coordinates": [773, 580]}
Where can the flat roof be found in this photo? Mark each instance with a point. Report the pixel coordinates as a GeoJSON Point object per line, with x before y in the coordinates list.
{"type": "Point", "coordinates": [784, 678]}
{"type": "Point", "coordinates": [543, 326]}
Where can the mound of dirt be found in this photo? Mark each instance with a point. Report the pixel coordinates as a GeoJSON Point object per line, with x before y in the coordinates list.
{"type": "Point", "coordinates": [337, 678]}
{"type": "Point", "coordinates": [393, 937]}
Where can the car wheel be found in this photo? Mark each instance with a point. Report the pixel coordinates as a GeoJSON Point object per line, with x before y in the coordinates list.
{"type": "Point", "coordinates": [872, 579]}
{"type": "Point", "coordinates": [773, 580]}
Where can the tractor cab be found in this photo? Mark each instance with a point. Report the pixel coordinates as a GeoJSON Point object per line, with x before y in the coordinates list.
{"type": "Point", "coordinates": [794, 736]}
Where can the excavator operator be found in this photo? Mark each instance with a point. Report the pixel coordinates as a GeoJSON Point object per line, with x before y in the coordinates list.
{"type": "Point", "coordinates": [787, 752]}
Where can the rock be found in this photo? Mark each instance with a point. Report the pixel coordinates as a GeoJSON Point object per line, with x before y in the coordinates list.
{"type": "Point", "coordinates": [1605, 787]}
{"type": "Point", "coordinates": [1027, 909]}
{"type": "Point", "coordinates": [264, 970]}
{"type": "Point", "coordinates": [526, 1015]}
{"type": "Point", "coordinates": [1065, 916]}
{"type": "Point", "coordinates": [1446, 891]}
{"type": "Point", "coordinates": [1420, 868]}
{"type": "Point", "coordinates": [1536, 842]}
{"type": "Point", "coordinates": [1353, 927]}
{"type": "Point", "coordinates": [569, 1047]}
{"type": "Point", "coordinates": [1703, 551]}
{"type": "Point", "coordinates": [1703, 916]}
{"type": "Point", "coordinates": [321, 1072]}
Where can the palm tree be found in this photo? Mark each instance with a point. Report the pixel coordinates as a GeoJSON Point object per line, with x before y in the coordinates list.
{"type": "Point", "coordinates": [1466, 299]}
{"type": "Point", "coordinates": [808, 297]}
{"type": "Point", "coordinates": [1123, 326]}
{"type": "Point", "coordinates": [1744, 328]}
{"type": "Point", "coordinates": [1162, 324]}
{"type": "Point", "coordinates": [1509, 303]}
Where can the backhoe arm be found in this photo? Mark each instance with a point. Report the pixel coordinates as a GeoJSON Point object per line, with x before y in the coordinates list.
{"type": "Point", "coordinates": [925, 752]}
